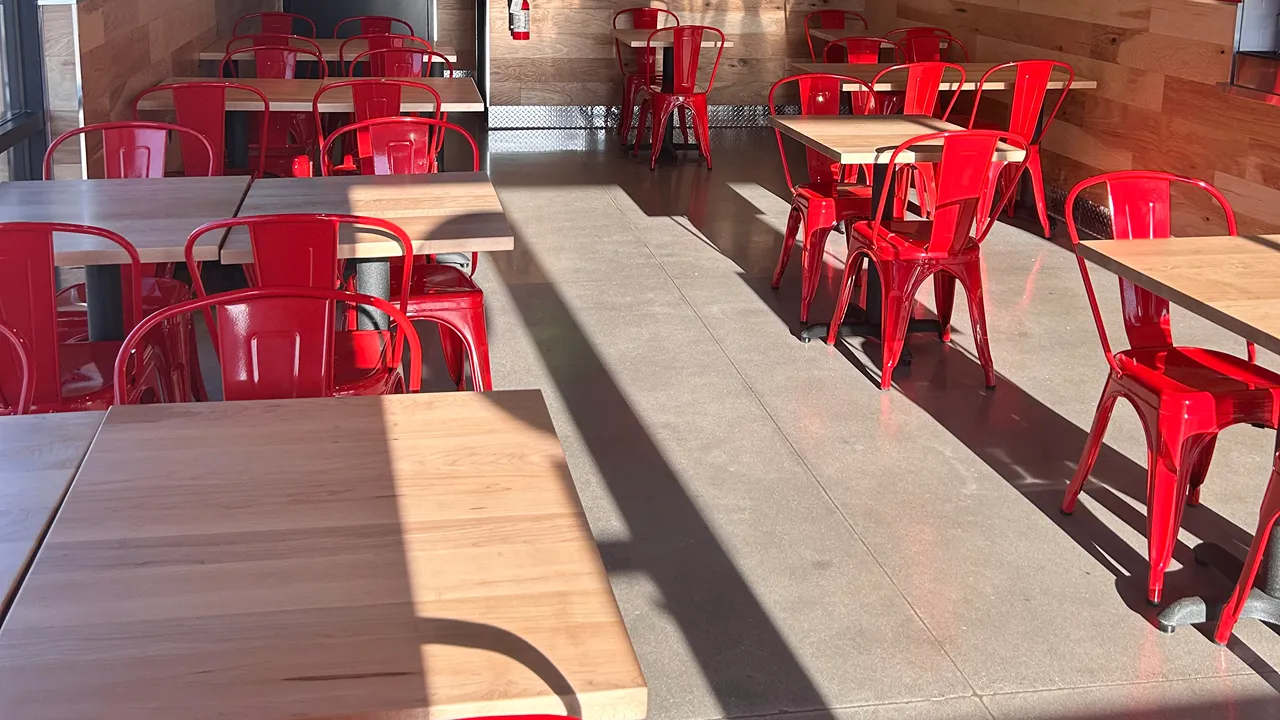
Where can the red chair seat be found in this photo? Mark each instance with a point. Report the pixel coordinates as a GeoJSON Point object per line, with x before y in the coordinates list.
{"type": "Point", "coordinates": [360, 366]}
{"type": "Point", "coordinates": [910, 238]}
{"type": "Point", "coordinates": [430, 282]}
{"type": "Point", "coordinates": [1172, 371]}
{"type": "Point", "coordinates": [73, 318]}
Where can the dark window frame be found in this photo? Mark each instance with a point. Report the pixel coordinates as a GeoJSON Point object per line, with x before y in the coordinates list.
{"type": "Point", "coordinates": [24, 132]}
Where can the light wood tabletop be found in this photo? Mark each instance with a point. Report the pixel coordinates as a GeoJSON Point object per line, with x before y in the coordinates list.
{"type": "Point", "coordinates": [328, 49]}
{"type": "Point", "coordinates": [833, 34]}
{"type": "Point", "coordinates": [897, 81]}
{"type": "Point", "coordinates": [1231, 281]}
{"type": "Point", "coordinates": [640, 38]}
{"type": "Point", "coordinates": [456, 95]}
{"type": "Point", "coordinates": [236, 560]}
{"type": "Point", "coordinates": [871, 139]}
{"type": "Point", "coordinates": [39, 455]}
{"type": "Point", "coordinates": [442, 212]}
{"type": "Point", "coordinates": [155, 215]}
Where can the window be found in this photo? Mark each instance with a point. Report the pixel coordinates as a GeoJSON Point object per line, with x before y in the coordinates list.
{"type": "Point", "coordinates": [23, 137]}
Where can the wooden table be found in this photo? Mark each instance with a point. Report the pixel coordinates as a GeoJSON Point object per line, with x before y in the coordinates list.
{"type": "Point", "coordinates": [328, 49]}
{"type": "Point", "coordinates": [1230, 281]}
{"type": "Point", "coordinates": [433, 563]}
{"type": "Point", "coordinates": [444, 212]}
{"type": "Point", "coordinates": [39, 455]}
{"type": "Point", "coordinates": [833, 34]}
{"type": "Point", "coordinates": [640, 38]}
{"type": "Point", "coordinates": [868, 140]}
{"type": "Point", "coordinates": [456, 95]}
{"type": "Point", "coordinates": [156, 215]}
{"type": "Point", "coordinates": [897, 82]}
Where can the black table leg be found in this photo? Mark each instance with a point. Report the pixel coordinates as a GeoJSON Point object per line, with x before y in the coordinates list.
{"type": "Point", "coordinates": [866, 323]}
{"type": "Point", "coordinates": [238, 139]}
{"type": "Point", "coordinates": [373, 277]}
{"type": "Point", "coordinates": [103, 291]}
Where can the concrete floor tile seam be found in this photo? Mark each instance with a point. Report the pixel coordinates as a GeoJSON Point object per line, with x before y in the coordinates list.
{"type": "Point", "coordinates": [855, 706]}
{"type": "Point", "coordinates": [827, 494]}
{"type": "Point", "coordinates": [1272, 678]}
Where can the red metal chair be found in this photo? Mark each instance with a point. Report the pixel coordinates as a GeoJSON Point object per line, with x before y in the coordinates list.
{"type": "Point", "coordinates": [301, 250]}
{"type": "Point", "coordinates": [402, 145]}
{"type": "Point", "coordinates": [202, 106]}
{"type": "Point", "coordinates": [931, 48]}
{"type": "Point", "coordinates": [897, 34]}
{"type": "Point", "coordinates": [1267, 514]}
{"type": "Point", "coordinates": [289, 134]}
{"type": "Point", "coordinates": [377, 41]}
{"type": "Point", "coordinates": [374, 25]}
{"type": "Point", "coordinates": [405, 62]}
{"type": "Point", "coordinates": [645, 59]}
{"type": "Point", "coordinates": [947, 247]}
{"type": "Point", "coordinates": [686, 50]}
{"type": "Point", "coordinates": [859, 50]}
{"type": "Point", "coordinates": [829, 20]}
{"type": "Point", "coordinates": [823, 201]}
{"type": "Point", "coordinates": [372, 98]}
{"type": "Point", "coordinates": [22, 362]}
{"type": "Point", "coordinates": [280, 342]}
{"type": "Point", "coordinates": [241, 42]}
{"type": "Point", "coordinates": [924, 86]}
{"type": "Point", "coordinates": [275, 23]}
{"type": "Point", "coordinates": [1027, 120]}
{"type": "Point", "coordinates": [271, 60]}
{"type": "Point", "coordinates": [137, 149]}
{"type": "Point", "coordinates": [1183, 395]}
{"type": "Point", "coordinates": [68, 376]}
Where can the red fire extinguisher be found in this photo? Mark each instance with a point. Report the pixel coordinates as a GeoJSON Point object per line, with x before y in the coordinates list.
{"type": "Point", "coordinates": [520, 20]}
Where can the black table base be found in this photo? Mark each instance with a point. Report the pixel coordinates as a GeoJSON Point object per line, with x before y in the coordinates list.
{"type": "Point", "coordinates": [104, 295]}
{"type": "Point", "coordinates": [1263, 602]}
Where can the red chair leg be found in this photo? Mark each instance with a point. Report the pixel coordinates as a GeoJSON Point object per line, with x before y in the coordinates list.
{"type": "Point", "coordinates": [852, 266]}
{"type": "Point", "coordinates": [1166, 497]}
{"type": "Point", "coordinates": [970, 276]}
{"type": "Point", "coordinates": [683, 112]}
{"type": "Point", "coordinates": [454, 350]}
{"type": "Point", "coordinates": [1267, 515]}
{"type": "Point", "coordinates": [818, 220]}
{"type": "Point", "coordinates": [788, 243]}
{"type": "Point", "coordinates": [702, 125]}
{"type": "Point", "coordinates": [944, 293]}
{"type": "Point", "coordinates": [1199, 468]}
{"type": "Point", "coordinates": [626, 109]}
{"type": "Point", "coordinates": [471, 336]}
{"type": "Point", "coordinates": [1101, 418]}
{"type": "Point", "coordinates": [899, 289]}
{"type": "Point", "coordinates": [642, 115]}
{"type": "Point", "coordinates": [662, 109]}
{"type": "Point", "coordinates": [1037, 187]}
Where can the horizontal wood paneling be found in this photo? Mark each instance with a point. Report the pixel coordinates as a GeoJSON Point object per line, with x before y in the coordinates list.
{"type": "Point", "coordinates": [1158, 63]}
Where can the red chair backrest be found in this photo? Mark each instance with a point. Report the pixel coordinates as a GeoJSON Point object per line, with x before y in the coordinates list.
{"type": "Point", "coordinates": [830, 20]}
{"type": "Point", "coordinates": [137, 148]}
{"type": "Point", "coordinates": [924, 84]}
{"type": "Point", "coordinates": [271, 61]}
{"type": "Point", "coordinates": [276, 23]}
{"type": "Point", "coordinates": [28, 308]}
{"type": "Point", "coordinates": [916, 31]}
{"type": "Point", "coordinates": [1030, 88]}
{"type": "Point", "coordinates": [400, 145]}
{"type": "Point", "coordinates": [278, 342]}
{"type": "Point", "coordinates": [687, 51]}
{"type": "Point", "coordinates": [931, 48]}
{"type": "Point", "coordinates": [298, 250]}
{"type": "Point", "coordinates": [272, 40]}
{"type": "Point", "coordinates": [963, 185]}
{"type": "Point", "coordinates": [820, 94]}
{"type": "Point", "coordinates": [22, 362]}
{"type": "Point", "coordinates": [373, 97]}
{"type": "Point", "coordinates": [404, 62]}
{"type": "Point", "coordinates": [642, 18]}
{"type": "Point", "coordinates": [377, 41]}
{"type": "Point", "coordinates": [201, 106]}
{"type": "Point", "coordinates": [373, 25]}
{"type": "Point", "coordinates": [1141, 209]}
{"type": "Point", "coordinates": [864, 50]}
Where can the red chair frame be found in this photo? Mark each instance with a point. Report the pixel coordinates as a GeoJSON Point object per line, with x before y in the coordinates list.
{"type": "Point", "coordinates": [686, 43]}
{"type": "Point", "coordinates": [924, 82]}
{"type": "Point", "coordinates": [278, 61]}
{"type": "Point", "coordinates": [373, 25]}
{"type": "Point", "coordinates": [272, 40]}
{"type": "Point", "coordinates": [1026, 113]}
{"type": "Point", "coordinates": [642, 18]}
{"type": "Point", "coordinates": [917, 30]}
{"type": "Point", "coordinates": [408, 335]}
{"type": "Point", "coordinates": [424, 60]}
{"type": "Point", "coordinates": [822, 202]}
{"type": "Point", "coordinates": [930, 48]}
{"type": "Point", "coordinates": [950, 251]}
{"type": "Point", "coordinates": [371, 38]}
{"type": "Point", "coordinates": [275, 23]}
{"type": "Point", "coordinates": [23, 353]}
{"type": "Point", "coordinates": [372, 98]}
{"type": "Point", "coordinates": [201, 106]}
{"type": "Point", "coordinates": [829, 20]}
{"type": "Point", "coordinates": [860, 50]}
{"type": "Point", "coordinates": [1184, 395]}
{"type": "Point", "coordinates": [371, 130]}
{"type": "Point", "coordinates": [124, 135]}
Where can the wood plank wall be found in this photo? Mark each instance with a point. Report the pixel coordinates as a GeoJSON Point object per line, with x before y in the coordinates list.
{"type": "Point", "coordinates": [1157, 106]}
{"type": "Point", "coordinates": [570, 58]}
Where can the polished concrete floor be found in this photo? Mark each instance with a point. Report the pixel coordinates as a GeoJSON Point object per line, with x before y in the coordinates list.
{"type": "Point", "coordinates": [784, 538]}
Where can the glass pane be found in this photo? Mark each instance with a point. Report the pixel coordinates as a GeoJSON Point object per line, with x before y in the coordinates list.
{"type": "Point", "coordinates": [6, 107]}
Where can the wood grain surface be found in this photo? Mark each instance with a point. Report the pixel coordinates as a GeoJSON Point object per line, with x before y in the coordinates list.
{"type": "Point", "coordinates": [443, 212]}
{"type": "Point", "coordinates": [897, 81]}
{"type": "Point", "coordinates": [155, 215]}
{"type": "Point", "coordinates": [1231, 281]}
{"type": "Point", "coordinates": [382, 558]}
{"type": "Point", "coordinates": [456, 95]}
{"type": "Point", "coordinates": [640, 38]}
{"type": "Point", "coordinates": [872, 139]}
{"type": "Point", "coordinates": [216, 50]}
{"type": "Point", "coordinates": [39, 455]}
